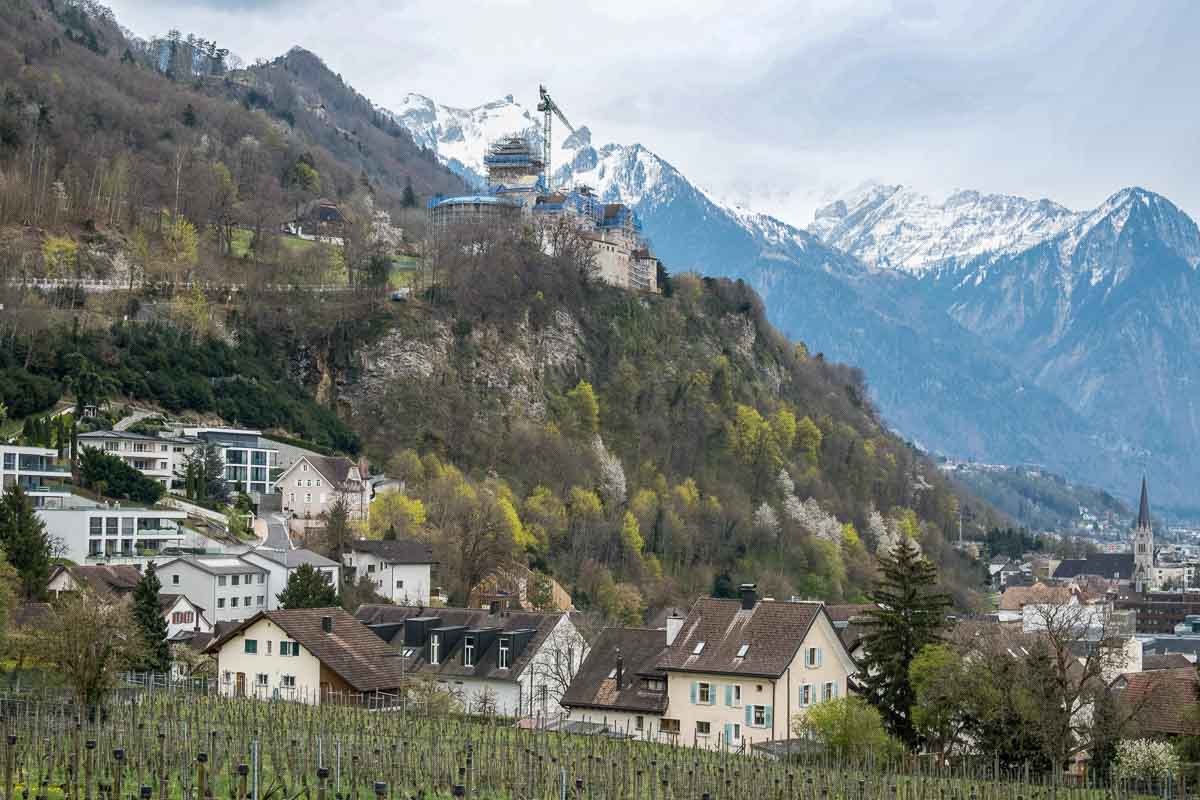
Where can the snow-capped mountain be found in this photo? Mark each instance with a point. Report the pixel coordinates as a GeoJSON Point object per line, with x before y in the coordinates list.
{"type": "Point", "coordinates": [895, 227]}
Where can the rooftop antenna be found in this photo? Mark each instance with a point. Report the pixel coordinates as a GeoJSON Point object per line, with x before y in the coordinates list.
{"type": "Point", "coordinates": [550, 109]}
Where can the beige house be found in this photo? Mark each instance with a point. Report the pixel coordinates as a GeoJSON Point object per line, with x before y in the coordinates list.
{"type": "Point", "coordinates": [744, 671]}
{"type": "Point", "coordinates": [312, 484]}
{"type": "Point", "coordinates": [311, 655]}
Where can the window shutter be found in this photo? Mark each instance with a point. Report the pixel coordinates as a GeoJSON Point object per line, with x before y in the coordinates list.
{"type": "Point", "coordinates": [835, 690]}
{"type": "Point", "coordinates": [695, 688]}
{"type": "Point", "coordinates": [819, 654]}
{"type": "Point", "coordinates": [749, 716]}
{"type": "Point", "coordinates": [768, 715]}
{"type": "Point", "coordinates": [728, 733]}
{"type": "Point", "coordinates": [728, 697]}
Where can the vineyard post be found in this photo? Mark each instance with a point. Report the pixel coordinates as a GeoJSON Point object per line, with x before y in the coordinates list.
{"type": "Point", "coordinates": [201, 775]}
{"type": "Point", "coordinates": [242, 770]}
{"type": "Point", "coordinates": [8, 767]}
{"type": "Point", "coordinates": [254, 761]}
{"type": "Point", "coordinates": [90, 746]}
{"type": "Point", "coordinates": [118, 768]}
{"type": "Point", "coordinates": [162, 765]}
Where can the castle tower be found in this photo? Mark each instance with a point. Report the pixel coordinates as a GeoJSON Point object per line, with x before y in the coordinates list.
{"type": "Point", "coordinates": [1143, 544]}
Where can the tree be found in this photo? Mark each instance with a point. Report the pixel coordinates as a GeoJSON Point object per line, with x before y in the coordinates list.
{"type": "Point", "coordinates": [408, 199]}
{"type": "Point", "coordinates": [952, 695]}
{"type": "Point", "coordinates": [151, 623]}
{"type": "Point", "coordinates": [338, 533]}
{"type": "Point", "coordinates": [307, 588]}
{"type": "Point", "coordinates": [90, 640]}
{"type": "Point", "coordinates": [23, 537]}
{"type": "Point", "coordinates": [478, 531]}
{"type": "Point", "coordinates": [108, 474]}
{"type": "Point", "coordinates": [850, 730]}
{"type": "Point", "coordinates": [909, 614]}
{"type": "Point", "coordinates": [204, 475]}
{"type": "Point", "coordinates": [397, 512]}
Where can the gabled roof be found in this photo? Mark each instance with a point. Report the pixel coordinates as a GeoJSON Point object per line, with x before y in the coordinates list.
{"type": "Point", "coordinates": [1161, 701]}
{"type": "Point", "coordinates": [388, 621]}
{"type": "Point", "coordinates": [1106, 565]}
{"type": "Point", "coordinates": [398, 551]}
{"type": "Point", "coordinates": [351, 650]}
{"type": "Point", "coordinates": [1017, 597]}
{"type": "Point", "coordinates": [104, 578]}
{"type": "Point", "coordinates": [334, 469]}
{"type": "Point", "coordinates": [595, 684]}
{"type": "Point", "coordinates": [772, 631]}
{"type": "Point", "coordinates": [167, 601]}
{"type": "Point", "coordinates": [1153, 663]}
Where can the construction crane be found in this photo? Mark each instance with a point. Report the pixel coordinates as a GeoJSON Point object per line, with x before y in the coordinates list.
{"type": "Point", "coordinates": [550, 108]}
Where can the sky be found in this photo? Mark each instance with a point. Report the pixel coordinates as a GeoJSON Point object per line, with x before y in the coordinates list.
{"type": "Point", "coordinates": [783, 106]}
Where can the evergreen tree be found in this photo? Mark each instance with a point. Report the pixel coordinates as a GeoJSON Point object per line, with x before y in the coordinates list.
{"type": "Point", "coordinates": [151, 622]}
{"type": "Point", "coordinates": [408, 199]}
{"type": "Point", "coordinates": [24, 538]}
{"type": "Point", "coordinates": [910, 613]}
{"type": "Point", "coordinates": [338, 531]}
{"type": "Point", "coordinates": [307, 588]}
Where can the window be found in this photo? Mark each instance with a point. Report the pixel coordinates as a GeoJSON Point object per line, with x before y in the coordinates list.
{"type": "Point", "coordinates": [251, 647]}
{"type": "Point", "coordinates": [435, 647]}
{"type": "Point", "coordinates": [261, 679]}
{"type": "Point", "coordinates": [234, 580]}
{"type": "Point", "coordinates": [308, 483]}
{"type": "Point", "coordinates": [287, 681]}
{"type": "Point", "coordinates": [249, 578]}
{"type": "Point", "coordinates": [735, 695]}
{"type": "Point", "coordinates": [812, 657]}
{"type": "Point", "coordinates": [175, 579]}
{"type": "Point", "coordinates": [806, 694]}
{"type": "Point", "coordinates": [269, 646]}
{"type": "Point", "coordinates": [399, 584]}
{"type": "Point", "coordinates": [469, 651]}
{"type": "Point", "coordinates": [759, 716]}
{"type": "Point", "coordinates": [704, 693]}
{"type": "Point", "coordinates": [370, 569]}
{"type": "Point", "coordinates": [220, 580]}
{"type": "Point", "coordinates": [703, 728]}
{"type": "Point", "coordinates": [830, 692]}
{"type": "Point", "coordinates": [639, 723]}
{"type": "Point", "coordinates": [319, 483]}
{"type": "Point", "coordinates": [220, 602]}
{"type": "Point", "coordinates": [502, 657]}
{"type": "Point", "coordinates": [233, 602]}
{"type": "Point", "coordinates": [698, 649]}
{"type": "Point", "coordinates": [261, 599]}
{"type": "Point", "coordinates": [261, 578]}
{"type": "Point", "coordinates": [246, 601]}
{"type": "Point", "coordinates": [654, 684]}
{"type": "Point", "coordinates": [741, 653]}
{"type": "Point", "coordinates": [299, 482]}
{"type": "Point", "coordinates": [304, 466]}
{"type": "Point", "coordinates": [735, 732]}
{"type": "Point", "coordinates": [669, 726]}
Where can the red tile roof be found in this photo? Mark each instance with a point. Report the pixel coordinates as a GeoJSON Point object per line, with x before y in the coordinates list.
{"type": "Point", "coordinates": [1162, 702]}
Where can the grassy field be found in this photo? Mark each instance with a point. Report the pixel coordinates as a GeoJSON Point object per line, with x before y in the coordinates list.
{"type": "Point", "coordinates": [395, 754]}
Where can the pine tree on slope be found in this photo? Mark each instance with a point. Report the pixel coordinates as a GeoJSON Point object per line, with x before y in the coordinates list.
{"type": "Point", "coordinates": [23, 536]}
{"type": "Point", "coordinates": [151, 622]}
{"type": "Point", "coordinates": [910, 614]}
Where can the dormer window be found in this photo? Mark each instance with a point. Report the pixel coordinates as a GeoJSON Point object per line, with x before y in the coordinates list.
{"type": "Point", "coordinates": [435, 647]}
{"type": "Point", "coordinates": [502, 657]}
{"type": "Point", "coordinates": [469, 651]}
{"type": "Point", "coordinates": [698, 649]}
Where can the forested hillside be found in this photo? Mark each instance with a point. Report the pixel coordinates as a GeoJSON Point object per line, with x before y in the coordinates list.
{"type": "Point", "coordinates": [641, 450]}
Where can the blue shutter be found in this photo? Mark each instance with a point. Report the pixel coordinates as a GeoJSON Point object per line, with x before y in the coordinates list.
{"type": "Point", "coordinates": [728, 696]}
{"type": "Point", "coordinates": [728, 734]}
{"type": "Point", "coordinates": [749, 716]}
{"type": "Point", "coordinates": [768, 715]}
{"type": "Point", "coordinates": [835, 690]}
{"type": "Point", "coordinates": [820, 656]}
{"type": "Point", "coordinates": [695, 687]}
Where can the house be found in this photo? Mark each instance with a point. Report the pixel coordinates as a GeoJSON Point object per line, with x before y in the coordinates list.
{"type": "Point", "coordinates": [162, 458]}
{"type": "Point", "coordinates": [229, 588]}
{"type": "Point", "coordinates": [36, 470]}
{"type": "Point", "coordinates": [1117, 568]}
{"type": "Point", "coordinates": [319, 220]}
{"type": "Point", "coordinates": [1153, 663]}
{"type": "Point", "coordinates": [313, 483]}
{"type": "Point", "coordinates": [96, 532]}
{"type": "Point", "coordinates": [280, 564]}
{"type": "Point", "coordinates": [1161, 703]}
{"type": "Point", "coordinates": [852, 623]}
{"type": "Point", "coordinates": [311, 655]}
{"type": "Point", "coordinates": [182, 614]}
{"type": "Point", "coordinates": [513, 586]}
{"type": "Point", "coordinates": [1015, 598]}
{"type": "Point", "coordinates": [513, 663]}
{"type": "Point", "coordinates": [620, 684]}
{"type": "Point", "coordinates": [104, 579]}
{"type": "Point", "coordinates": [745, 671]}
{"type": "Point", "coordinates": [402, 569]}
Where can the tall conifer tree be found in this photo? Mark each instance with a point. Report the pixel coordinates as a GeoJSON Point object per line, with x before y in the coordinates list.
{"type": "Point", "coordinates": [151, 622]}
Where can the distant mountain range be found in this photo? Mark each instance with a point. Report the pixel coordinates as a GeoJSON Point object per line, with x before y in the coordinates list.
{"type": "Point", "coordinates": [989, 327]}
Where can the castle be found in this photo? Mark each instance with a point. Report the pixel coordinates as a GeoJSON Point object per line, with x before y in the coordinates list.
{"type": "Point", "coordinates": [516, 193]}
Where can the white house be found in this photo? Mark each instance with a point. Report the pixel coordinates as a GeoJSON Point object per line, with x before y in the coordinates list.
{"type": "Point", "coordinates": [182, 615]}
{"type": "Point", "coordinates": [36, 470]}
{"type": "Point", "coordinates": [92, 532]}
{"type": "Point", "coordinates": [310, 655]}
{"type": "Point", "coordinates": [229, 588]}
{"type": "Point", "coordinates": [515, 663]}
{"type": "Point", "coordinates": [620, 685]}
{"type": "Point", "coordinates": [311, 485]}
{"type": "Point", "coordinates": [280, 564]}
{"type": "Point", "coordinates": [401, 569]}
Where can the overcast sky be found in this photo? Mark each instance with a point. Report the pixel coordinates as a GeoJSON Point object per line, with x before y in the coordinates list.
{"type": "Point", "coordinates": [782, 105]}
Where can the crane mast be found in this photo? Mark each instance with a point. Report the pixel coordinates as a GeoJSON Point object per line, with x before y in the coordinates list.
{"type": "Point", "coordinates": [550, 109]}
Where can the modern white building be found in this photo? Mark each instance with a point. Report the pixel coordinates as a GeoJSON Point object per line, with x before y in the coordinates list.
{"type": "Point", "coordinates": [36, 470]}
{"type": "Point", "coordinates": [162, 458]}
{"type": "Point", "coordinates": [401, 569]}
{"type": "Point", "coordinates": [248, 461]}
{"type": "Point", "coordinates": [90, 532]}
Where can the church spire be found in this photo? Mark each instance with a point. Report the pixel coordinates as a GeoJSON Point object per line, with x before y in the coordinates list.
{"type": "Point", "coordinates": [1143, 520]}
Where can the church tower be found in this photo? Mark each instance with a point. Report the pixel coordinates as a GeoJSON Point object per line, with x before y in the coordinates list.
{"type": "Point", "coordinates": [1143, 545]}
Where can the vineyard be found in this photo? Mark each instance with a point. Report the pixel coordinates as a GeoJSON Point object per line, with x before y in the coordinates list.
{"type": "Point", "coordinates": [169, 745]}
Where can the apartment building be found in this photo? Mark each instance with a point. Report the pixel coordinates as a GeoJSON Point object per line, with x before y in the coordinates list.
{"type": "Point", "coordinates": [90, 532]}
{"type": "Point", "coordinates": [37, 471]}
{"type": "Point", "coordinates": [401, 569]}
{"type": "Point", "coordinates": [159, 457]}
{"type": "Point", "coordinates": [229, 588]}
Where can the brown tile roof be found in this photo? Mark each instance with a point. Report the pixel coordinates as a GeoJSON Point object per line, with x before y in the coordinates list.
{"type": "Point", "coordinates": [773, 630]}
{"type": "Point", "coordinates": [398, 551]}
{"type": "Point", "coordinates": [1017, 597]}
{"type": "Point", "coordinates": [356, 654]}
{"type": "Point", "coordinates": [107, 578]}
{"type": "Point", "coordinates": [388, 623]}
{"type": "Point", "coordinates": [1166, 661]}
{"type": "Point", "coordinates": [595, 686]}
{"type": "Point", "coordinates": [1162, 701]}
{"type": "Point", "coordinates": [847, 611]}
{"type": "Point", "coordinates": [334, 468]}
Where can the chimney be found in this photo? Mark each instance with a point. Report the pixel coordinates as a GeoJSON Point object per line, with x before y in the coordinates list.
{"type": "Point", "coordinates": [327, 624]}
{"type": "Point", "coordinates": [674, 626]}
{"type": "Point", "coordinates": [749, 593]}
{"type": "Point", "coordinates": [620, 669]}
